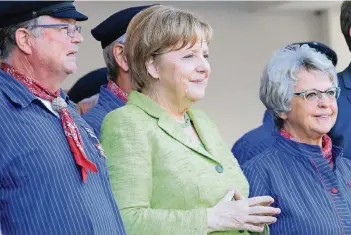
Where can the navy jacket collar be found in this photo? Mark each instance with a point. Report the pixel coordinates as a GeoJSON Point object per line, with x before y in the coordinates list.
{"type": "Point", "coordinates": [303, 150]}
{"type": "Point", "coordinates": [108, 100]}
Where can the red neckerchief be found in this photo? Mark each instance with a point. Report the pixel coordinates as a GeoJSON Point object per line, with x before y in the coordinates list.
{"type": "Point", "coordinates": [326, 145]}
{"type": "Point", "coordinates": [69, 126]}
{"type": "Point", "coordinates": [117, 91]}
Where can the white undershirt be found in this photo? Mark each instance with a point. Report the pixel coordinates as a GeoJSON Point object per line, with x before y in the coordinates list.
{"type": "Point", "coordinates": [49, 106]}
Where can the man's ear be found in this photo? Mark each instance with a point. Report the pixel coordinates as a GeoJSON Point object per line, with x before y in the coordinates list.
{"type": "Point", "coordinates": [151, 68]}
{"type": "Point", "coordinates": [121, 60]}
{"type": "Point", "coordinates": [24, 41]}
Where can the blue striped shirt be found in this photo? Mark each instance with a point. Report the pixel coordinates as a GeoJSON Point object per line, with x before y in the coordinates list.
{"type": "Point", "coordinates": [255, 141]}
{"type": "Point", "coordinates": [41, 188]}
{"type": "Point", "coordinates": [107, 102]}
{"type": "Point", "coordinates": [314, 199]}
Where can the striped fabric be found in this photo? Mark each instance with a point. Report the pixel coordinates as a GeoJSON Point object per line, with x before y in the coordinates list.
{"type": "Point", "coordinates": [41, 191]}
{"type": "Point", "coordinates": [314, 199]}
{"type": "Point", "coordinates": [255, 141]}
{"type": "Point", "coordinates": [106, 103]}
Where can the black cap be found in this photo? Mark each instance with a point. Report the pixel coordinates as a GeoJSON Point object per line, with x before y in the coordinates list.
{"type": "Point", "coordinates": [320, 47]}
{"type": "Point", "coordinates": [115, 26]}
{"type": "Point", "coordinates": [12, 12]}
{"type": "Point", "coordinates": [88, 85]}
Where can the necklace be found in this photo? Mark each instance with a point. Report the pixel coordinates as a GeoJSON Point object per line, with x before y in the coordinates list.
{"type": "Point", "coordinates": [187, 121]}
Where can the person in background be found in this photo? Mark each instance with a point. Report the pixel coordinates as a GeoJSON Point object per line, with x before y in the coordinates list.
{"type": "Point", "coordinates": [341, 132]}
{"type": "Point", "coordinates": [257, 140]}
{"type": "Point", "coordinates": [88, 85]}
{"type": "Point", "coordinates": [53, 170]}
{"type": "Point", "coordinates": [170, 169]}
{"type": "Point", "coordinates": [111, 34]}
{"type": "Point", "coordinates": [303, 171]}
{"type": "Point", "coordinates": [85, 92]}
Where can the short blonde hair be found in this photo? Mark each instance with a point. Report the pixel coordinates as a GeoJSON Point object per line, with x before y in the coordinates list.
{"type": "Point", "coordinates": [156, 30]}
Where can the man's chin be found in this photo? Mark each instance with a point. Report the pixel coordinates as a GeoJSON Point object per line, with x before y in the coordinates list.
{"type": "Point", "coordinates": [71, 69]}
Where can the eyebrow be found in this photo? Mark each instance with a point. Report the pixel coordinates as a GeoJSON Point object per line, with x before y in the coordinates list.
{"type": "Point", "coordinates": [314, 89]}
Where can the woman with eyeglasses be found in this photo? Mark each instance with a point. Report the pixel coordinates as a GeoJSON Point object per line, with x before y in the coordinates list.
{"type": "Point", "coordinates": [306, 175]}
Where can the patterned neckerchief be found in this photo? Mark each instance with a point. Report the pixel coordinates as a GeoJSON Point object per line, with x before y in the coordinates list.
{"type": "Point", "coordinates": [70, 128]}
{"type": "Point", "coordinates": [111, 86]}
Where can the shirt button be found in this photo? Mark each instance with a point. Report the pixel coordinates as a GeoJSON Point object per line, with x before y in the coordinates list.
{"type": "Point", "coordinates": [348, 223]}
{"type": "Point", "coordinates": [241, 231]}
{"type": "Point", "coordinates": [219, 168]}
{"type": "Point", "coordinates": [334, 190]}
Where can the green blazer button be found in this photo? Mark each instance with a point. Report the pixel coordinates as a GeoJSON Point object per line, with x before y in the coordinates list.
{"type": "Point", "coordinates": [219, 168]}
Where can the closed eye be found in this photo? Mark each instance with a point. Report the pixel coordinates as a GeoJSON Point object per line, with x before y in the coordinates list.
{"type": "Point", "coordinates": [188, 56]}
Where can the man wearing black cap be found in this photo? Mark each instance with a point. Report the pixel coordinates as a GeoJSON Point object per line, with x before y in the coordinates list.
{"type": "Point", "coordinates": [111, 34]}
{"type": "Point", "coordinates": [341, 132]}
{"type": "Point", "coordinates": [53, 174]}
{"type": "Point", "coordinates": [257, 140]}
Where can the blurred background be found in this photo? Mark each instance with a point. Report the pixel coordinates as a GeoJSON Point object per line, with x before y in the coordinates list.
{"type": "Point", "coordinates": [246, 34]}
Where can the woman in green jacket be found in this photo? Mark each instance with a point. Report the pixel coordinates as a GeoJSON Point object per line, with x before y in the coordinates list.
{"type": "Point", "coordinates": [170, 169]}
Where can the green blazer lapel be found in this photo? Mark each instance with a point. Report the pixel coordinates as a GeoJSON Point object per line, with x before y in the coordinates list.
{"type": "Point", "coordinates": [172, 128]}
{"type": "Point", "coordinates": [169, 125]}
{"type": "Point", "coordinates": [205, 131]}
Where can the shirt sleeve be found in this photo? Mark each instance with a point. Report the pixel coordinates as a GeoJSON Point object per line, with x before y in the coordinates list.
{"type": "Point", "coordinates": [129, 148]}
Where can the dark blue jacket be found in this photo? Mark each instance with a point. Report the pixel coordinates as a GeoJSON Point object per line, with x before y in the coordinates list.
{"type": "Point", "coordinates": [341, 132]}
{"type": "Point", "coordinates": [107, 102]}
{"type": "Point", "coordinates": [314, 199]}
{"type": "Point", "coordinates": [41, 188]}
{"type": "Point", "coordinates": [255, 141]}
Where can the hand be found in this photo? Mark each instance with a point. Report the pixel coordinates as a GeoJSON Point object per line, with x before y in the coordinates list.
{"type": "Point", "coordinates": [242, 214]}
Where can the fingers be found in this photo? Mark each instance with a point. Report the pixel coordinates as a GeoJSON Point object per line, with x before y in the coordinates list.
{"type": "Point", "coordinates": [255, 219]}
{"type": "Point", "coordinates": [232, 194]}
{"type": "Point", "coordinates": [237, 195]}
{"type": "Point", "coordinates": [228, 197]}
{"type": "Point", "coordinates": [261, 200]}
{"type": "Point", "coordinates": [264, 210]}
{"type": "Point", "coordinates": [254, 227]}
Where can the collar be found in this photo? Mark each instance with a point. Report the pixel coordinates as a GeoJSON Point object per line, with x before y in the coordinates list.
{"type": "Point", "coordinates": [326, 144]}
{"type": "Point", "coordinates": [108, 99]}
{"type": "Point", "coordinates": [304, 150]}
{"type": "Point", "coordinates": [172, 128]}
{"type": "Point", "coordinates": [145, 103]}
{"type": "Point", "coordinates": [19, 93]}
{"type": "Point", "coordinates": [115, 89]}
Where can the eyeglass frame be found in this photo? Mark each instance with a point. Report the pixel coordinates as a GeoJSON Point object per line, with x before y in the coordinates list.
{"type": "Point", "coordinates": [303, 93]}
{"type": "Point", "coordinates": [77, 28]}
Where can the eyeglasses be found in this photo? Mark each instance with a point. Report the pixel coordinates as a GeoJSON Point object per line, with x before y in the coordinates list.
{"type": "Point", "coordinates": [71, 28]}
{"type": "Point", "coordinates": [314, 95]}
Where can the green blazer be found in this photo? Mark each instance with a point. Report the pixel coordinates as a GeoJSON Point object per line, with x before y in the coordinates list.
{"type": "Point", "coordinates": [162, 181]}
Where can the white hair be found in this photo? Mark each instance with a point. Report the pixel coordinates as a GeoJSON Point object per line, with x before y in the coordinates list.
{"type": "Point", "coordinates": [280, 75]}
